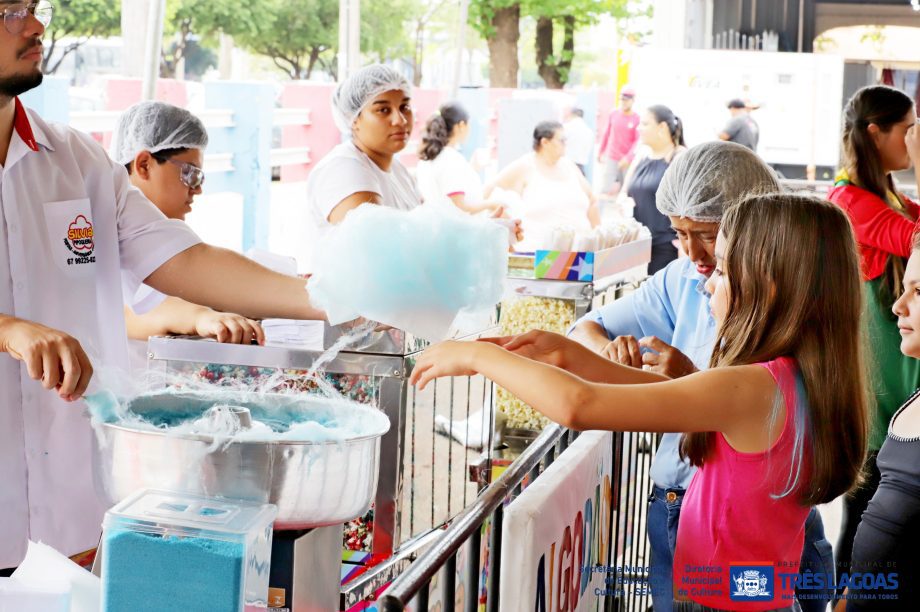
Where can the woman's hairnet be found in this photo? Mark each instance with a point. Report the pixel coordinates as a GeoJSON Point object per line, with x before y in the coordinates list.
{"type": "Point", "coordinates": [154, 127]}
{"type": "Point", "coordinates": [356, 92]}
{"type": "Point", "coordinates": [701, 183]}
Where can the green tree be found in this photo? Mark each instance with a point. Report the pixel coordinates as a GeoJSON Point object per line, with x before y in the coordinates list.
{"type": "Point", "coordinates": [554, 57]}
{"type": "Point", "coordinates": [205, 19]}
{"type": "Point", "coordinates": [385, 28]}
{"type": "Point", "coordinates": [557, 21]}
{"type": "Point", "coordinates": [297, 36]}
{"type": "Point", "coordinates": [78, 21]}
{"type": "Point", "coordinates": [429, 14]}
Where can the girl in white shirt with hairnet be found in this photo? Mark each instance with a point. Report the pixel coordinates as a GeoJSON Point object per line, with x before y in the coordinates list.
{"type": "Point", "coordinates": [373, 107]}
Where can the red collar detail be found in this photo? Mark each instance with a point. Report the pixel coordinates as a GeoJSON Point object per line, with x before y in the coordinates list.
{"type": "Point", "coordinates": [23, 127]}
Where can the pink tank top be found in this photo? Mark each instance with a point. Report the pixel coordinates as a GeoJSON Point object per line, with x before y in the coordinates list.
{"type": "Point", "coordinates": [735, 541]}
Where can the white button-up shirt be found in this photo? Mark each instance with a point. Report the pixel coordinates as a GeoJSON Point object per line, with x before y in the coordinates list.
{"type": "Point", "coordinates": [70, 223]}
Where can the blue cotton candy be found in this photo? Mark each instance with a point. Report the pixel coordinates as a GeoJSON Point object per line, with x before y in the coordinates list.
{"type": "Point", "coordinates": [151, 573]}
{"type": "Point", "coordinates": [413, 270]}
{"type": "Point", "coordinates": [300, 418]}
{"type": "Point", "coordinates": [104, 407]}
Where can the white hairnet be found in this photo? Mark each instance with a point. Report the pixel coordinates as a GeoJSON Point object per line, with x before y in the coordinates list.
{"type": "Point", "coordinates": [700, 183]}
{"type": "Point", "coordinates": [355, 92]}
{"type": "Point", "coordinates": [154, 127]}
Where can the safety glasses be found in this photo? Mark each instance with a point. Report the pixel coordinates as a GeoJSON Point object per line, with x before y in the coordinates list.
{"type": "Point", "coordinates": [191, 175]}
{"type": "Point", "coordinates": [15, 15]}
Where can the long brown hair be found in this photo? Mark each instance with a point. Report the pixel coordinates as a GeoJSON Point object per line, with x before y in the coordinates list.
{"type": "Point", "coordinates": [884, 107]}
{"type": "Point", "coordinates": [795, 290]}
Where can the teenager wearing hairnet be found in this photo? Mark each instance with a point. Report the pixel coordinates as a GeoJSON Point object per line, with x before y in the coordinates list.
{"type": "Point", "coordinates": [373, 110]}
{"type": "Point", "coordinates": [162, 147]}
{"type": "Point", "coordinates": [666, 326]}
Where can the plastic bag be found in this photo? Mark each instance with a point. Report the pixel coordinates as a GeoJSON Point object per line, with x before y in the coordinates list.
{"type": "Point", "coordinates": [45, 567]}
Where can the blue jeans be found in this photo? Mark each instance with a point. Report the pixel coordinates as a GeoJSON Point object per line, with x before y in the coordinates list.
{"type": "Point", "coordinates": [663, 518]}
{"type": "Point", "coordinates": [818, 557]}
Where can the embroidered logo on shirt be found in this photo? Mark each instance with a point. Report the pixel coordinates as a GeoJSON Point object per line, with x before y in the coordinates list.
{"type": "Point", "coordinates": [752, 582]}
{"type": "Point", "coordinates": [79, 241]}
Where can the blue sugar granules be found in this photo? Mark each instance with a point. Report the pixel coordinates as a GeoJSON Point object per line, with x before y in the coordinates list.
{"type": "Point", "coordinates": [154, 573]}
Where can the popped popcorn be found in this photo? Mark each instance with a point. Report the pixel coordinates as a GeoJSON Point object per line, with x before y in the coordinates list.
{"type": "Point", "coordinates": [522, 315]}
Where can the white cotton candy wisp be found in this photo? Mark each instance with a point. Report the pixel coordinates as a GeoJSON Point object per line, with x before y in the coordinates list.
{"type": "Point", "coordinates": [414, 270]}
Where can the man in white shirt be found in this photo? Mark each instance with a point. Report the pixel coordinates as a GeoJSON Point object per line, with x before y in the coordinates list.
{"type": "Point", "coordinates": [70, 223]}
{"type": "Point", "coordinates": [579, 145]}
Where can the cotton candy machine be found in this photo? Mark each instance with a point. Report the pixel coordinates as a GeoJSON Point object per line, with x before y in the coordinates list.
{"type": "Point", "coordinates": [313, 483]}
{"type": "Point", "coordinates": [314, 457]}
{"type": "Point", "coordinates": [422, 483]}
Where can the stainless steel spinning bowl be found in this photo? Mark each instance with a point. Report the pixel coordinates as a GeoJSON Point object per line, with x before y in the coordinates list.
{"type": "Point", "coordinates": [313, 484]}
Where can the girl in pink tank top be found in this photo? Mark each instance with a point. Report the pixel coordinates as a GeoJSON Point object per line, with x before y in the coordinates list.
{"type": "Point", "coordinates": [733, 521]}
{"type": "Point", "coordinates": [776, 425]}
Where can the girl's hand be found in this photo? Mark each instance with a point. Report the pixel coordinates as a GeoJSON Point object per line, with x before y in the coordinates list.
{"type": "Point", "coordinates": [228, 327]}
{"type": "Point", "coordinates": [518, 230]}
{"type": "Point", "coordinates": [515, 233]}
{"type": "Point", "coordinates": [545, 347]}
{"type": "Point", "coordinates": [450, 358]}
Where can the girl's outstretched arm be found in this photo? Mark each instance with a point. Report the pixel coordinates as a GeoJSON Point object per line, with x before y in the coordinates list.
{"type": "Point", "coordinates": [735, 400]}
{"type": "Point", "coordinates": [574, 357]}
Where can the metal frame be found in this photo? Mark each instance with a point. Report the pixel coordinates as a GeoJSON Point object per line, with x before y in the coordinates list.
{"type": "Point", "coordinates": [628, 551]}
{"type": "Point", "coordinates": [414, 582]}
{"type": "Point", "coordinates": [386, 356]}
{"type": "Point", "coordinates": [390, 357]}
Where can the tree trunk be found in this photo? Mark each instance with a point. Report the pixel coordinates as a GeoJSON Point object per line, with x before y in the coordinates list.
{"type": "Point", "coordinates": [568, 48]}
{"type": "Point", "coordinates": [503, 47]}
{"type": "Point", "coordinates": [554, 70]}
{"type": "Point", "coordinates": [315, 50]}
{"type": "Point", "coordinates": [546, 63]}
{"type": "Point", "coordinates": [49, 51]}
{"type": "Point", "coordinates": [418, 54]}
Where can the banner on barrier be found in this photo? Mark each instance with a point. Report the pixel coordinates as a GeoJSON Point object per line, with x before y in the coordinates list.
{"type": "Point", "coordinates": [556, 534]}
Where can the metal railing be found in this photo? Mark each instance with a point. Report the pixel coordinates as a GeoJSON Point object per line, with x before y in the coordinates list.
{"type": "Point", "coordinates": [627, 576]}
{"type": "Point", "coordinates": [465, 528]}
{"type": "Point", "coordinates": [741, 41]}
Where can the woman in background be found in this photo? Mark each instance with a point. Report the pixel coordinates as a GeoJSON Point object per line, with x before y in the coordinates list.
{"type": "Point", "coordinates": [443, 171]}
{"type": "Point", "coordinates": [554, 193]}
{"type": "Point", "coordinates": [662, 133]}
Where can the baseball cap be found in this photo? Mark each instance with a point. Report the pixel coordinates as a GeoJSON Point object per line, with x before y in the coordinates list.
{"type": "Point", "coordinates": [737, 103]}
{"type": "Point", "coordinates": [627, 92]}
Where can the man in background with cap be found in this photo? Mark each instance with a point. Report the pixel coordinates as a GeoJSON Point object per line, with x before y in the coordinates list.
{"type": "Point", "coordinates": [618, 142]}
{"type": "Point", "coordinates": [741, 128]}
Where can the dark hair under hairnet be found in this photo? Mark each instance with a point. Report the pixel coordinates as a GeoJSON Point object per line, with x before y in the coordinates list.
{"type": "Point", "coordinates": [701, 182]}
{"type": "Point", "coordinates": [156, 126]}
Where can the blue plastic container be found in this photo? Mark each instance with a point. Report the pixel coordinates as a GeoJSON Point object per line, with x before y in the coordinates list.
{"type": "Point", "coordinates": [167, 551]}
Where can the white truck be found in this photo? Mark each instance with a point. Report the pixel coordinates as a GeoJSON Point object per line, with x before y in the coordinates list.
{"type": "Point", "coordinates": [799, 98]}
